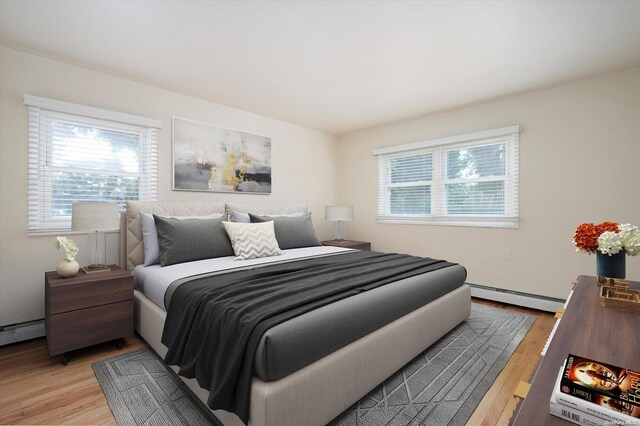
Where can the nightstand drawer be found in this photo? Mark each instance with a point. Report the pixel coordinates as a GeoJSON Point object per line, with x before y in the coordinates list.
{"type": "Point", "coordinates": [77, 329]}
{"type": "Point", "coordinates": [79, 295]}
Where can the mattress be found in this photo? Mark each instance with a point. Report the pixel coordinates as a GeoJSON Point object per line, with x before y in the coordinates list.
{"type": "Point", "coordinates": [300, 341]}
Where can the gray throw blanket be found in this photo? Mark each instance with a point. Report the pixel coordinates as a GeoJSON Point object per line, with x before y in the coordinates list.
{"type": "Point", "coordinates": [214, 324]}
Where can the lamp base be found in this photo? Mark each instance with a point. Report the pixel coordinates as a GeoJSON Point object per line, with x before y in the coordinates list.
{"type": "Point", "coordinates": [95, 269]}
{"type": "Point", "coordinates": [339, 231]}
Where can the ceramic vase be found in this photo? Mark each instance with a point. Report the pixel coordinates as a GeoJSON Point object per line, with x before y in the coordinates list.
{"type": "Point", "coordinates": [68, 268]}
{"type": "Point", "coordinates": [611, 266]}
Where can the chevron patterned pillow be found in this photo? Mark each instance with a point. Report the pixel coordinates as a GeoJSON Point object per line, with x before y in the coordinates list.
{"type": "Point", "coordinates": [252, 240]}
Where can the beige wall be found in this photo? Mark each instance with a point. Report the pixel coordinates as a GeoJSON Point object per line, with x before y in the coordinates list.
{"type": "Point", "coordinates": [302, 163]}
{"type": "Point", "coordinates": [579, 162]}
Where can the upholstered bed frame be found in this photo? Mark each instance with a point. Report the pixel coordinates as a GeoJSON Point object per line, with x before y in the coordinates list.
{"type": "Point", "coordinates": [317, 393]}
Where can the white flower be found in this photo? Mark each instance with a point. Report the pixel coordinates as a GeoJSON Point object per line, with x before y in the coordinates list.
{"type": "Point", "coordinates": [630, 235]}
{"type": "Point", "coordinates": [70, 248]}
{"type": "Point", "coordinates": [610, 243]}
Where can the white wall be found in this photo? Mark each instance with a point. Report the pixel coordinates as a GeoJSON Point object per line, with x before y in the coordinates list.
{"type": "Point", "coordinates": [302, 163]}
{"type": "Point", "coordinates": [579, 162]}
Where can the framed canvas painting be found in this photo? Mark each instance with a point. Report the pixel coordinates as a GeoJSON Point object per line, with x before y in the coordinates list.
{"type": "Point", "coordinates": [214, 159]}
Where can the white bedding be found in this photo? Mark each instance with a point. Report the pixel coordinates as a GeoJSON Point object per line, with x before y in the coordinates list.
{"type": "Point", "coordinates": [154, 280]}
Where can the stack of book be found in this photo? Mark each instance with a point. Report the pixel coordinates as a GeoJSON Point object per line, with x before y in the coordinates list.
{"type": "Point", "coordinates": [589, 392]}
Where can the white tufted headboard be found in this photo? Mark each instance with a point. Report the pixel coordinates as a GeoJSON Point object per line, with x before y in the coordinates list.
{"type": "Point", "coordinates": [131, 246]}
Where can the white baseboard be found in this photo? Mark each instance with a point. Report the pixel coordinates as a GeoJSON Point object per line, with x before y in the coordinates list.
{"type": "Point", "coordinates": [516, 298]}
{"type": "Point", "coordinates": [20, 332]}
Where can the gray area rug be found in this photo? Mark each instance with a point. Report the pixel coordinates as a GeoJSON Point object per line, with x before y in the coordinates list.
{"type": "Point", "coordinates": [441, 386]}
{"type": "Point", "coordinates": [444, 384]}
{"type": "Point", "coordinates": [142, 390]}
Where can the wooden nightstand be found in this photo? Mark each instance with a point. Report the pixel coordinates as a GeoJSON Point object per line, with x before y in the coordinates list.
{"type": "Point", "coordinates": [359, 245]}
{"type": "Point", "coordinates": [87, 309]}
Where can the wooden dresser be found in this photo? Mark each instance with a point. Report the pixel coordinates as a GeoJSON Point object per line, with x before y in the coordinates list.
{"type": "Point", "coordinates": [586, 329]}
{"type": "Point", "coordinates": [87, 309]}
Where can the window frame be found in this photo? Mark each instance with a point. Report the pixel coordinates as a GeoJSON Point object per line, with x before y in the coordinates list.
{"type": "Point", "coordinates": [509, 136]}
{"type": "Point", "coordinates": [42, 112]}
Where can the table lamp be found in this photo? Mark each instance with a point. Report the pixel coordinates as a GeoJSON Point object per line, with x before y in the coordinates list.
{"type": "Point", "coordinates": [338, 214]}
{"type": "Point", "coordinates": [95, 217]}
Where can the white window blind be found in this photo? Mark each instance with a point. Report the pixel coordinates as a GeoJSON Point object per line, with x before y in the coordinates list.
{"type": "Point", "coordinates": [465, 180]}
{"type": "Point", "coordinates": [80, 154]}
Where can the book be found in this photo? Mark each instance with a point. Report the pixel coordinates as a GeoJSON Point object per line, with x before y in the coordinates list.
{"type": "Point", "coordinates": [581, 411]}
{"type": "Point", "coordinates": [610, 387]}
{"type": "Point", "coordinates": [578, 417]}
{"type": "Point", "coordinates": [98, 270]}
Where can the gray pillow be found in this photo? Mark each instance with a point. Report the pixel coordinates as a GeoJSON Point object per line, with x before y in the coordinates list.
{"type": "Point", "coordinates": [238, 217]}
{"type": "Point", "coordinates": [150, 235]}
{"type": "Point", "coordinates": [291, 232]}
{"type": "Point", "coordinates": [184, 240]}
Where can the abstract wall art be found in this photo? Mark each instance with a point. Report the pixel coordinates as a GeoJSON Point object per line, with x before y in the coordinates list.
{"type": "Point", "coordinates": [214, 159]}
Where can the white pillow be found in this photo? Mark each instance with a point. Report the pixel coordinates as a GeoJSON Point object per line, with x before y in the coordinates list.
{"type": "Point", "coordinates": [252, 240]}
{"type": "Point", "coordinates": [244, 217]}
{"type": "Point", "coordinates": [150, 235]}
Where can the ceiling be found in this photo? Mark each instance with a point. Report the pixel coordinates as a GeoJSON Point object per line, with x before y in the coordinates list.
{"type": "Point", "coordinates": [336, 66]}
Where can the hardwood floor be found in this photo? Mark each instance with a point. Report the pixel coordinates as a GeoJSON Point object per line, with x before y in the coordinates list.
{"type": "Point", "coordinates": [37, 389]}
{"type": "Point", "coordinates": [498, 404]}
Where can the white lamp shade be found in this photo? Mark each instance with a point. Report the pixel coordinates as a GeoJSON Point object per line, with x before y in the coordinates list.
{"type": "Point", "coordinates": [95, 216]}
{"type": "Point", "coordinates": [338, 213]}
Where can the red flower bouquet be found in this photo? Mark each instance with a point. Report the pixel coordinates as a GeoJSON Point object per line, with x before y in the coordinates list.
{"type": "Point", "coordinates": [586, 236]}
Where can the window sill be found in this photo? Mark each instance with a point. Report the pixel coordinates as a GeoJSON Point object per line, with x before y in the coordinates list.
{"type": "Point", "coordinates": [476, 222]}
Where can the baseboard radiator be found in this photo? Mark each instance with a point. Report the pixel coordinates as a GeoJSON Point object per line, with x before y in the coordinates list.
{"type": "Point", "coordinates": [19, 332]}
{"type": "Point", "coordinates": [517, 298]}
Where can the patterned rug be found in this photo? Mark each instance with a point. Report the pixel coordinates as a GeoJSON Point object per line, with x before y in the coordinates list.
{"type": "Point", "coordinates": [441, 386]}
{"type": "Point", "coordinates": [142, 390]}
{"type": "Point", "coordinates": [444, 384]}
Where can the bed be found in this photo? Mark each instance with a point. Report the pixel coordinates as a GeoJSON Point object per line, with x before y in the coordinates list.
{"type": "Point", "coordinates": [292, 384]}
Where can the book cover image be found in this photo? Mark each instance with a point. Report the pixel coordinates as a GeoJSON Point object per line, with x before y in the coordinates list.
{"type": "Point", "coordinates": [585, 410]}
{"type": "Point", "coordinates": [603, 384]}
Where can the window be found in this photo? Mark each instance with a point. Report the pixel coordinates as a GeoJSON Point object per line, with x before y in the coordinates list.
{"type": "Point", "coordinates": [409, 184]}
{"type": "Point", "coordinates": [466, 180]}
{"type": "Point", "coordinates": [80, 154]}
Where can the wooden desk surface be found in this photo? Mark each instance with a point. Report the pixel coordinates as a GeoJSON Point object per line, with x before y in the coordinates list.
{"type": "Point", "coordinates": [589, 330]}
